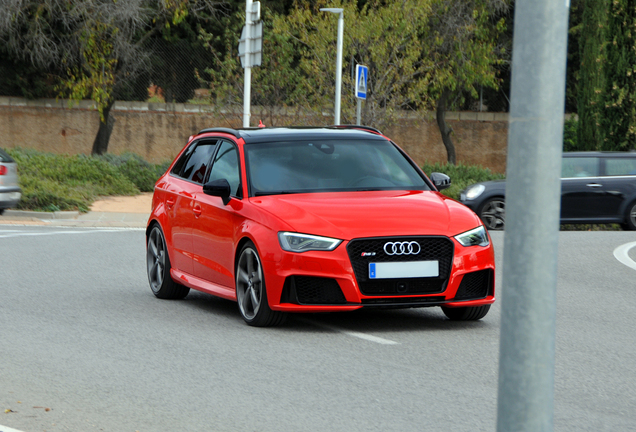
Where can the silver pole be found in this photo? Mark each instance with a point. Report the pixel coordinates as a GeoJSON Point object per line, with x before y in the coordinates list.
{"type": "Point", "coordinates": [247, 80]}
{"type": "Point", "coordinates": [339, 69]}
{"type": "Point", "coordinates": [526, 359]}
{"type": "Point", "coordinates": [359, 112]}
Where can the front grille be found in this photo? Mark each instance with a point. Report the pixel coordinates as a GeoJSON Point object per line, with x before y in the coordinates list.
{"type": "Point", "coordinates": [310, 290]}
{"type": "Point", "coordinates": [431, 248]}
{"type": "Point", "coordinates": [474, 285]}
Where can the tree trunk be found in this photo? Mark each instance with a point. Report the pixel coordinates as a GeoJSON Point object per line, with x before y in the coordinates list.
{"type": "Point", "coordinates": [100, 145]}
{"type": "Point", "coordinates": [444, 129]}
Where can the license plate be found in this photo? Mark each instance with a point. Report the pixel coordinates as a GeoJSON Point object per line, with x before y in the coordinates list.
{"type": "Point", "coordinates": [401, 270]}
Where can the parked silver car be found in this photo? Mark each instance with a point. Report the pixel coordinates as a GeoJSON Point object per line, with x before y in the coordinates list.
{"type": "Point", "coordinates": [10, 192]}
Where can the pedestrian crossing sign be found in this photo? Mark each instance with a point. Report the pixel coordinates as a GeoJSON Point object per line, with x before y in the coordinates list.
{"type": "Point", "coordinates": [362, 75]}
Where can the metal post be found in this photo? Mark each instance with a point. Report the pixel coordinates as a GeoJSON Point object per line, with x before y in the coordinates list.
{"type": "Point", "coordinates": [247, 80]}
{"type": "Point", "coordinates": [340, 13]}
{"type": "Point", "coordinates": [526, 363]}
{"type": "Point", "coordinates": [339, 69]}
{"type": "Point", "coordinates": [359, 112]}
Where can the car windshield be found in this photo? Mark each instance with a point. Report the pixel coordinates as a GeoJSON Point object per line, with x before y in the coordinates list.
{"type": "Point", "coordinates": [329, 165]}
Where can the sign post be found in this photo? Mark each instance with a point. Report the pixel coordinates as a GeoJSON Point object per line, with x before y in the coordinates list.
{"type": "Point", "coordinates": [250, 51]}
{"type": "Point", "coordinates": [362, 75]}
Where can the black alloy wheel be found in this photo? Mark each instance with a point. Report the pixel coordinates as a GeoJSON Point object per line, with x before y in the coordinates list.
{"type": "Point", "coordinates": [493, 213]}
{"type": "Point", "coordinates": [251, 293]}
{"type": "Point", "coordinates": [466, 313]}
{"type": "Point", "coordinates": [158, 267]}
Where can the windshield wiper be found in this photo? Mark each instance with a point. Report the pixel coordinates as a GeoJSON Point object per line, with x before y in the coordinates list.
{"type": "Point", "coordinates": [281, 192]}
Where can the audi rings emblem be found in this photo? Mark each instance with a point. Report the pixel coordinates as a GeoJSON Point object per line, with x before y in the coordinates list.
{"type": "Point", "coordinates": [402, 248]}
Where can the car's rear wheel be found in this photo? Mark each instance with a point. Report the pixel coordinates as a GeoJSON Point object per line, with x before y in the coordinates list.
{"type": "Point", "coordinates": [493, 213]}
{"type": "Point", "coordinates": [158, 267]}
{"type": "Point", "coordinates": [466, 313]}
{"type": "Point", "coordinates": [630, 217]}
{"type": "Point", "coordinates": [251, 293]}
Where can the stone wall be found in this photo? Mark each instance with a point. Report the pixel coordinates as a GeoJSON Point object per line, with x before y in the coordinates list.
{"type": "Point", "coordinates": [157, 131]}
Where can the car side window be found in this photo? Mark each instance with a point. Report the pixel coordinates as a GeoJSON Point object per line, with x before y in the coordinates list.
{"type": "Point", "coordinates": [226, 166]}
{"type": "Point", "coordinates": [193, 164]}
{"type": "Point", "coordinates": [620, 166]}
{"type": "Point", "coordinates": [579, 167]}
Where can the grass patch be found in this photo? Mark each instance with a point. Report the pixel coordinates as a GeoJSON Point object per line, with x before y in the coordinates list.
{"type": "Point", "coordinates": [461, 176]}
{"type": "Point", "coordinates": [53, 182]}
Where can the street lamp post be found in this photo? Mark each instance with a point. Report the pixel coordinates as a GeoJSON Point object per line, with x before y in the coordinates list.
{"type": "Point", "coordinates": [339, 11]}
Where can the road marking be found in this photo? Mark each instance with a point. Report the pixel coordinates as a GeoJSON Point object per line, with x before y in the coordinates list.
{"type": "Point", "coordinates": [10, 234]}
{"type": "Point", "coordinates": [622, 254]}
{"type": "Point", "coordinates": [358, 335]}
{"type": "Point", "coordinates": [7, 429]}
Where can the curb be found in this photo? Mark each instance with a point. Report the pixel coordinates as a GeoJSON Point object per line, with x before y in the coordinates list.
{"type": "Point", "coordinates": [41, 215]}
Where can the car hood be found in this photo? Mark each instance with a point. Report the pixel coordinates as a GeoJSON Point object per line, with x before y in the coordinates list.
{"type": "Point", "coordinates": [348, 215]}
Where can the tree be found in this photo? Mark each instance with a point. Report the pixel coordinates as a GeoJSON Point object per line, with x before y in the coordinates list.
{"type": "Point", "coordinates": [463, 43]}
{"type": "Point", "coordinates": [618, 120]}
{"type": "Point", "coordinates": [98, 45]}
{"type": "Point", "coordinates": [386, 37]}
{"type": "Point", "coordinates": [420, 54]}
{"type": "Point", "coordinates": [592, 74]}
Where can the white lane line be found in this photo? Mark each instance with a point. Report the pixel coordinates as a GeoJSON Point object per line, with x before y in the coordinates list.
{"type": "Point", "coordinates": [45, 233]}
{"type": "Point", "coordinates": [7, 429]}
{"type": "Point", "coordinates": [622, 254]}
{"type": "Point", "coordinates": [358, 335]}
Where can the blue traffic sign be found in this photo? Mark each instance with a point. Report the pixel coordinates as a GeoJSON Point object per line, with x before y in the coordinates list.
{"type": "Point", "coordinates": [362, 75]}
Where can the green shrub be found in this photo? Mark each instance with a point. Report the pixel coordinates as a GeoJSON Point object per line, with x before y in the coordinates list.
{"type": "Point", "coordinates": [141, 173]}
{"type": "Point", "coordinates": [53, 182]}
{"type": "Point", "coordinates": [461, 176]}
{"type": "Point", "coordinates": [570, 137]}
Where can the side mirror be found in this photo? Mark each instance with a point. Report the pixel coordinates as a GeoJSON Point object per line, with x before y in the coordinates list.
{"type": "Point", "coordinates": [219, 188]}
{"type": "Point", "coordinates": [441, 181]}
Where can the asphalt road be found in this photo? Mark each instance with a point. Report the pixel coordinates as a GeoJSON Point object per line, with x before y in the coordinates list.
{"type": "Point", "coordinates": [85, 346]}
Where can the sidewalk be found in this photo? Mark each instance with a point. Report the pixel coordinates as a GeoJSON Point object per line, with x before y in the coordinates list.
{"type": "Point", "coordinates": [120, 211]}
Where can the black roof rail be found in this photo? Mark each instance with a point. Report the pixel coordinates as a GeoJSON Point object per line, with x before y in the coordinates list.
{"type": "Point", "coordinates": [349, 126]}
{"type": "Point", "coordinates": [234, 132]}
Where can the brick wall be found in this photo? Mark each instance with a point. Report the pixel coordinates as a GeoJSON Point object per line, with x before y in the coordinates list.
{"type": "Point", "coordinates": [157, 131]}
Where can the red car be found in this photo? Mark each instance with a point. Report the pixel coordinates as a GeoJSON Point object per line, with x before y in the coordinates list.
{"type": "Point", "coordinates": [314, 220]}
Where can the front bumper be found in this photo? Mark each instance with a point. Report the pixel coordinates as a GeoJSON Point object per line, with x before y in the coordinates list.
{"type": "Point", "coordinates": [326, 282]}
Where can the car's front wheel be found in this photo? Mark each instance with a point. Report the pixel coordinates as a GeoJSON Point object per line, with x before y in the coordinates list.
{"type": "Point", "coordinates": [251, 293]}
{"type": "Point", "coordinates": [493, 213]}
{"type": "Point", "coordinates": [630, 217]}
{"type": "Point", "coordinates": [158, 267]}
{"type": "Point", "coordinates": [466, 313]}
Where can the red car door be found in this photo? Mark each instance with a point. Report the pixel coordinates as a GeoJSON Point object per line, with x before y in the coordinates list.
{"type": "Point", "coordinates": [214, 226]}
{"type": "Point", "coordinates": [186, 181]}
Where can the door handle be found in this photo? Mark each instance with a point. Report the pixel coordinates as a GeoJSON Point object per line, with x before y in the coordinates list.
{"type": "Point", "coordinates": [197, 210]}
{"type": "Point", "coordinates": [170, 202]}
{"type": "Point", "coordinates": [594, 185]}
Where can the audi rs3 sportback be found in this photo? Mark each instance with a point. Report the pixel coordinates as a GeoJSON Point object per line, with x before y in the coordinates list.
{"type": "Point", "coordinates": [314, 220]}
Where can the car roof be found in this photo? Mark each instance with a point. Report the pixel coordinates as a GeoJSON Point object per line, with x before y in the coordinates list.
{"type": "Point", "coordinates": [269, 134]}
{"type": "Point", "coordinates": [600, 154]}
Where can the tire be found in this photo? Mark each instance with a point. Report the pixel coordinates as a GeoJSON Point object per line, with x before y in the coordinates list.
{"type": "Point", "coordinates": [251, 293]}
{"type": "Point", "coordinates": [630, 217]}
{"type": "Point", "coordinates": [493, 213]}
{"type": "Point", "coordinates": [158, 267]}
{"type": "Point", "coordinates": [466, 313]}
{"type": "Point", "coordinates": [1, 211]}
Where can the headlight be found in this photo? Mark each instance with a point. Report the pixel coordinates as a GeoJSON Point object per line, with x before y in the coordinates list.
{"type": "Point", "coordinates": [296, 242]}
{"type": "Point", "coordinates": [474, 237]}
{"type": "Point", "coordinates": [474, 191]}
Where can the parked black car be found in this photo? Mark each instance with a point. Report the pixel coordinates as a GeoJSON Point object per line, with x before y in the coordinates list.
{"type": "Point", "coordinates": [596, 187]}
